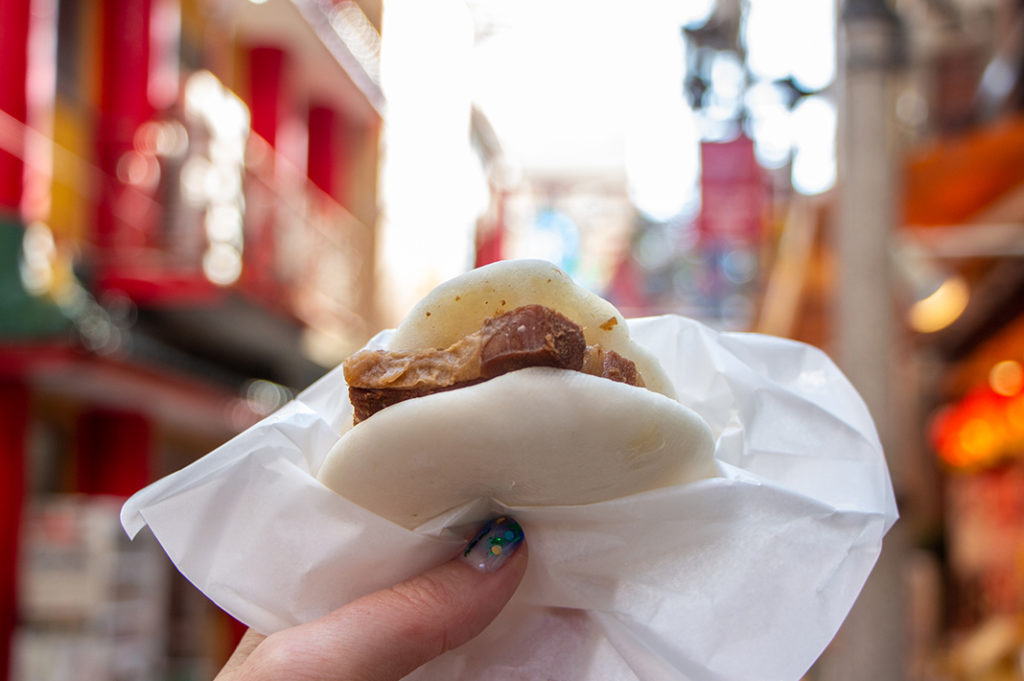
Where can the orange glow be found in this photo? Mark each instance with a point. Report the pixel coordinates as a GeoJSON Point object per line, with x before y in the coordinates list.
{"type": "Point", "coordinates": [978, 438]}
{"type": "Point", "coordinates": [982, 429]}
{"type": "Point", "coordinates": [1015, 414]}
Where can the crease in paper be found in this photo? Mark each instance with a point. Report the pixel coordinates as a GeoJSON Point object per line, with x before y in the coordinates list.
{"type": "Point", "coordinates": [745, 576]}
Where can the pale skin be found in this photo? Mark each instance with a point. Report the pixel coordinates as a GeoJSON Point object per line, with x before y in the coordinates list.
{"type": "Point", "coordinates": [385, 635]}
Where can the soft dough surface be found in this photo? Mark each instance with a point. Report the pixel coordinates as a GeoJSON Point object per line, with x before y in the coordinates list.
{"type": "Point", "coordinates": [536, 436]}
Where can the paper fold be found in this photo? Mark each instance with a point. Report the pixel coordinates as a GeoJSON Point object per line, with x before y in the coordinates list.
{"type": "Point", "coordinates": [745, 576]}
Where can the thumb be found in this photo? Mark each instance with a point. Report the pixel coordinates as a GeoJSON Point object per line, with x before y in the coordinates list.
{"type": "Point", "coordinates": [386, 635]}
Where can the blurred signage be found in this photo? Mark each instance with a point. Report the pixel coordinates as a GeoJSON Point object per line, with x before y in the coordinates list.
{"type": "Point", "coordinates": [729, 231]}
{"type": "Point", "coordinates": [986, 541]}
{"type": "Point", "coordinates": [92, 603]}
{"type": "Point", "coordinates": [732, 193]}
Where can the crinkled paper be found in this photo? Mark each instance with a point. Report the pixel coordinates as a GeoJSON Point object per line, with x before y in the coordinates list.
{"type": "Point", "coordinates": [744, 576]}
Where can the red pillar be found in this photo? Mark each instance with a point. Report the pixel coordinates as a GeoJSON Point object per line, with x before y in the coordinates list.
{"type": "Point", "coordinates": [113, 452]}
{"type": "Point", "coordinates": [14, 415]}
{"type": "Point", "coordinates": [328, 153]}
{"type": "Point", "coordinates": [14, 23]}
{"type": "Point", "coordinates": [266, 67]}
{"type": "Point", "coordinates": [323, 138]}
{"type": "Point", "coordinates": [266, 102]}
{"type": "Point", "coordinates": [124, 106]}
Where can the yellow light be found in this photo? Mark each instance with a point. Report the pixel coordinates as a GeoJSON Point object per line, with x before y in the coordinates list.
{"type": "Point", "coordinates": [978, 438]}
{"type": "Point", "coordinates": [1006, 378]}
{"type": "Point", "coordinates": [941, 308]}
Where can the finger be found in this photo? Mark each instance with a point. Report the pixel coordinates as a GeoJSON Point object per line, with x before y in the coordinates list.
{"type": "Point", "coordinates": [387, 634]}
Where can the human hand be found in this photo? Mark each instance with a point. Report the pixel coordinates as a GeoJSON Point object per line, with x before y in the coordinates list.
{"type": "Point", "coordinates": [386, 635]}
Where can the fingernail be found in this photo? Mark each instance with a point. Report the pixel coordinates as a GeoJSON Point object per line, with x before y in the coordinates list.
{"type": "Point", "coordinates": [494, 544]}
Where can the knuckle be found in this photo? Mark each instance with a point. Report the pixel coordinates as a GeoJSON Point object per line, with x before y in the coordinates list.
{"type": "Point", "coordinates": [422, 595]}
{"type": "Point", "coordinates": [427, 601]}
{"type": "Point", "coordinates": [276, 659]}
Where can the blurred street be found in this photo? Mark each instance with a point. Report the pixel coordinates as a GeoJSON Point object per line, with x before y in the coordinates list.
{"type": "Point", "coordinates": [207, 204]}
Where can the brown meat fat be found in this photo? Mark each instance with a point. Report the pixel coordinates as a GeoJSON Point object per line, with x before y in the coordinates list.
{"type": "Point", "coordinates": [532, 335]}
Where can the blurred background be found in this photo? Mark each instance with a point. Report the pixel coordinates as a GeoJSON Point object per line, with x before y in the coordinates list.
{"type": "Point", "coordinates": [206, 204]}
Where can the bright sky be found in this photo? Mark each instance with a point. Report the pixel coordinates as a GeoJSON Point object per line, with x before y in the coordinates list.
{"type": "Point", "coordinates": [574, 88]}
{"type": "Point", "coordinates": [562, 82]}
{"type": "Point", "coordinates": [595, 86]}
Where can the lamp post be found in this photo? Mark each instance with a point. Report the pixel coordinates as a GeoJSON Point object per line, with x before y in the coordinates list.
{"type": "Point", "coordinates": [872, 642]}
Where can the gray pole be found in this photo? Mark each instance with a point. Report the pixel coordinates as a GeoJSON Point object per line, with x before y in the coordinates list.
{"type": "Point", "coordinates": [872, 643]}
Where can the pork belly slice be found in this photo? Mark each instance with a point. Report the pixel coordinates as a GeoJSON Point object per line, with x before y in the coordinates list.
{"type": "Point", "coordinates": [528, 336]}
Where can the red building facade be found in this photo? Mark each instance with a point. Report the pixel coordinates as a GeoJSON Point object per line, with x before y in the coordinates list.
{"type": "Point", "coordinates": [180, 256]}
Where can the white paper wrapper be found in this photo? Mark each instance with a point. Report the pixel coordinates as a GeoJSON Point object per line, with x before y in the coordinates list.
{"type": "Point", "coordinates": [745, 576]}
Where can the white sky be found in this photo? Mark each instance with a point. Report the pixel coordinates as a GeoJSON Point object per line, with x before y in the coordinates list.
{"type": "Point", "coordinates": [596, 86]}
{"type": "Point", "coordinates": [574, 88]}
{"type": "Point", "coordinates": [562, 81]}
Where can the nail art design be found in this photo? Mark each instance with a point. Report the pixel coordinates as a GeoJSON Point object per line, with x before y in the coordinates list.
{"type": "Point", "coordinates": [494, 544]}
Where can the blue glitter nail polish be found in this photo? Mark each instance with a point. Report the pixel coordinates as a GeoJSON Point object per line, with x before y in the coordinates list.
{"type": "Point", "coordinates": [494, 544]}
